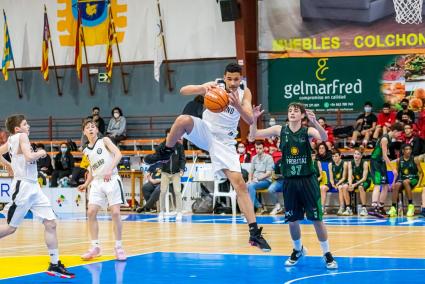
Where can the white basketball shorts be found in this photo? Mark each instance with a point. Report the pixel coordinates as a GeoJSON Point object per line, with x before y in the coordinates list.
{"type": "Point", "coordinates": [106, 193]}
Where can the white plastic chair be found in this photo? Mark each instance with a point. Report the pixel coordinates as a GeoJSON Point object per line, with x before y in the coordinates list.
{"type": "Point", "coordinates": [231, 194]}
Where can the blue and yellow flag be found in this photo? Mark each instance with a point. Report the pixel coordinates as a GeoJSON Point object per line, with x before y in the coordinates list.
{"type": "Point", "coordinates": [7, 50]}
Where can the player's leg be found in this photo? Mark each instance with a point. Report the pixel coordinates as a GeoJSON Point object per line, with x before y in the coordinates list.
{"type": "Point", "coordinates": [341, 200]}
{"type": "Point", "coordinates": [176, 180]}
{"type": "Point", "coordinates": [323, 193]}
{"type": "Point", "coordinates": [346, 193]}
{"type": "Point", "coordinates": [408, 184]}
{"type": "Point", "coordinates": [394, 197]}
{"type": "Point", "coordinates": [94, 250]}
{"type": "Point", "coordinates": [117, 225]}
{"type": "Point", "coordinates": [362, 193]}
{"type": "Point", "coordinates": [245, 205]}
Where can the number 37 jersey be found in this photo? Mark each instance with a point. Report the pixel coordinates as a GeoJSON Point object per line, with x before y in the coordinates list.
{"type": "Point", "coordinates": [296, 152]}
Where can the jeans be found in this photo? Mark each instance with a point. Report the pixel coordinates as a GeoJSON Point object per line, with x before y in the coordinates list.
{"type": "Point", "coordinates": [274, 188]}
{"type": "Point", "coordinates": [252, 188]}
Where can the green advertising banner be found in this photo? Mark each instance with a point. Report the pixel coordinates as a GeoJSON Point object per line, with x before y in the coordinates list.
{"type": "Point", "coordinates": [328, 84]}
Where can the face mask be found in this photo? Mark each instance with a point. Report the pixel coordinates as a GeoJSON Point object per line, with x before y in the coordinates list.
{"type": "Point", "coordinates": [241, 150]}
{"type": "Point", "coordinates": [116, 115]}
{"type": "Point", "coordinates": [367, 109]}
{"type": "Point", "coordinates": [63, 150]}
{"type": "Point", "coordinates": [272, 122]}
{"type": "Point", "coordinates": [404, 106]}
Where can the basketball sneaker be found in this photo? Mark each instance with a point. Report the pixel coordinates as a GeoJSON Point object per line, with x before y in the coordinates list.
{"type": "Point", "coordinates": [376, 213]}
{"type": "Point", "coordinates": [91, 253]}
{"type": "Point", "coordinates": [295, 256]}
{"type": "Point", "coordinates": [256, 239]}
{"type": "Point", "coordinates": [277, 209]}
{"type": "Point", "coordinates": [347, 212]}
{"type": "Point", "coordinates": [410, 210]}
{"type": "Point", "coordinates": [363, 212]}
{"type": "Point", "coordinates": [392, 212]}
{"type": "Point", "coordinates": [330, 261]}
{"type": "Point", "coordinates": [340, 211]}
{"type": "Point", "coordinates": [59, 270]}
{"type": "Point", "coordinates": [120, 254]}
{"type": "Point", "coordinates": [162, 155]}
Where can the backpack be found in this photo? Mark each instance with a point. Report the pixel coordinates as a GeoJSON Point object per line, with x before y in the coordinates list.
{"type": "Point", "coordinates": [203, 204]}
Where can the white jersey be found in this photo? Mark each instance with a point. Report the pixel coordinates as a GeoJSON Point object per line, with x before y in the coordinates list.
{"type": "Point", "coordinates": [225, 122]}
{"type": "Point", "coordinates": [100, 158]}
{"type": "Point", "coordinates": [22, 169]}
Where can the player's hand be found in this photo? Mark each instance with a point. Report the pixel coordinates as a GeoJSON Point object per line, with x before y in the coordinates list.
{"type": "Point", "coordinates": [42, 153]}
{"type": "Point", "coordinates": [82, 187]}
{"type": "Point", "coordinates": [234, 99]}
{"type": "Point", "coordinates": [107, 176]}
{"type": "Point", "coordinates": [257, 111]}
{"type": "Point", "coordinates": [310, 115]}
{"type": "Point", "coordinates": [181, 173]}
{"type": "Point", "coordinates": [209, 86]}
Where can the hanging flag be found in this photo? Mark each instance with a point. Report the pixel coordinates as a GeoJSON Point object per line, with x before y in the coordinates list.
{"type": "Point", "coordinates": [159, 50]}
{"type": "Point", "coordinates": [7, 50]}
{"type": "Point", "coordinates": [45, 47]}
{"type": "Point", "coordinates": [111, 38]}
{"type": "Point", "coordinates": [78, 47]}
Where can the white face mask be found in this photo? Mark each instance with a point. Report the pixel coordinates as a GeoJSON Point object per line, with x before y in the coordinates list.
{"type": "Point", "coordinates": [367, 109]}
{"type": "Point", "coordinates": [241, 150]}
{"type": "Point", "coordinates": [63, 150]}
{"type": "Point", "coordinates": [272, 122]}
{"type": "Point", "coordinates": [116, 115]}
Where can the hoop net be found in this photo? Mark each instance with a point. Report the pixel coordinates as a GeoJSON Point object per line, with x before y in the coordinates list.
{"type": "Point", "coordinates": [408, 11]}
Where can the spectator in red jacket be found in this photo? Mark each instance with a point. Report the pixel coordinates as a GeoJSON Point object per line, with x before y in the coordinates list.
{"type": "Point", "coordinates": [244, 157]}
{"type": "Point", "coordinates": [329, 131]}
{"type": "Point", "coordinates": [386, 118]}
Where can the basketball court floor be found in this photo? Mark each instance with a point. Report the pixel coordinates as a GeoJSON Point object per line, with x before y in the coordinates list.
{"type": "Point", "coordinates": [214, 249]}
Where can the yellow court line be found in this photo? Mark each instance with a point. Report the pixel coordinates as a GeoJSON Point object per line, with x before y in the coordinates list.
{"type": "Point", "coordinates": [15, 266]}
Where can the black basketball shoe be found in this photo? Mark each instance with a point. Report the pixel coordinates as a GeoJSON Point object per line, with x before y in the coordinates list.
{"type": "Point", "coordinates": [256, 239]}
{"type": "Point", "coordinates": [162, 155]}
{"type": "Point", "coordinates": [59, 270]}
{"type": "Point", "coordinates": [295, 256]}
{"type": "Point", "coordinates": [330, 261]}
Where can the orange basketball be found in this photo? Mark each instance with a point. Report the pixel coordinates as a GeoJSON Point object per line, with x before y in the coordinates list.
{"type": "Point", "coordinates": [216, 100]}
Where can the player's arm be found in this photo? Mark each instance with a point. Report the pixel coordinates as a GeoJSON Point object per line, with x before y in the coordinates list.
{"type": "Point", "coordinates": [89, 179]}
{"type": "Point", "coordinates": [262, 133]}
{"type": "Point", "coordinates": [365, 172]}
{"type": "Point", "coordinates": [350, 175]}
{"type": "Point", "coordinates": [244, 107]}
{"type": "Point", "coordinates": [197, 89]}
{"type": "Point", "coordinates": [30, 156]}
{"type": "Point", "coordinates": [318, 131]}
{"type": "Point", "coordinates": [115, 152]}
{"type": "Point", "coordinates": [395, 172]}
{"type": "Point", "coordinates": [384, 145]}
{"type": "Point", "coordinates": [319, 165]}
{"type": "Point", "coordinates": [331, 175]}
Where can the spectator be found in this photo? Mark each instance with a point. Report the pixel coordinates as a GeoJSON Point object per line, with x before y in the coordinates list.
{"type": "Point", "coordinates": [195, 107]}
{"type": "Point", "coordinates": [98, 120]}
{"type": "Point", "coordinates": [337, 178]}
{"type": "Point", "coordinates": [260, 174]}
{"type": "Point", "coordinates": [250, 146]}
{"type": "Point", "coordinates": [365, 126]}
{"type": "Point", "coordinates": [386, 118]}
{"type": "Point", "coordinates": [275, 153]}
{"type": "Point", "coordinates": [323, 153]}
{"type": "Point", "coordinates": [79, 173]}
{"type": "Point", "coordinates": [64, 163]}
{"type": "Point", "coordinates": [275, 187]}
{"type": "Point", "coordinates": [151, 189]}
{"type": "Point", "coordinates": [117, 126]}
{"type": "Point", "coordinates": [244, 157]}
{"type": "Point", "coordinates": [405, 110]}
{"type": "Point", "coordinates": [4, 135]}
{"type": "Point", "coordinates": [409, 137]}
{"type": "Point", "coordinates": [172, 171]}
{"type": "Point", "coordinates": [44, 165]}
{"type": "Point", "coordinates": [331, 139]}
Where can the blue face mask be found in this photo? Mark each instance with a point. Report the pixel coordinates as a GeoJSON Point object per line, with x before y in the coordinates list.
{"type": "Point", "coordinates": [63, 150]}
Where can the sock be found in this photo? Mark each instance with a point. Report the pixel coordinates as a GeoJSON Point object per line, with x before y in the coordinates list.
{"type": "Point", "coordinates": [374, 204]}
{"type": "Point", "coordinates": [118, 243]}
{"type": "Point", "coordinates": [54, 256]}
{"type": "Point", "coordinates": [410, 201]}
{"type": "Point", "coordinates": [95, 243]}
{"type": "Point", "coordinates": [394, 204]}
{"type": "Point", "coordinates": [253, 228]}
{"type": "Point", "coordinates": [297, 245]}
{"type": "Point", "coordinates": [325, 246]}
{"type": "Point", "coordinates": [381, 205]}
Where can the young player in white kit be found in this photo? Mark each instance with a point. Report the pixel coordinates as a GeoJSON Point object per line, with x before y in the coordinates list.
{"type": "Point", "coordinates": [216, 133]}
{"type": "Point", "coordinates": [27, 194]}
{"type": "Point", "coordinates": [105, 188]}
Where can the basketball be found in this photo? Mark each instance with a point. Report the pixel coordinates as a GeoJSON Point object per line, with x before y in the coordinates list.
{"type": "Point", "coordinates": [216, 100]}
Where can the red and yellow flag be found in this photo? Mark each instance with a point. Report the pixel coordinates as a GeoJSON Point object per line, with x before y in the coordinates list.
{"type": "Point", "coordinates": [78, 47]}
{"type": "Point", "coordinates": [45, 47]}
{"type": "Point", "coordinates": [111, 38]}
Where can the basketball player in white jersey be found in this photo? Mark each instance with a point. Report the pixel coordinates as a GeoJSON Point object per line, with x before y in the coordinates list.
{"type": "Point", "coordinates": [216, 133]}
{"type": "Point", "coordinates": [27, 194]}
{"type": "Point", "coordinates": [105, 188]}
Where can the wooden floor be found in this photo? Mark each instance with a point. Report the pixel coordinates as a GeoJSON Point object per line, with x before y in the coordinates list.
{"type": "Point", "coordinates": [141, 237]}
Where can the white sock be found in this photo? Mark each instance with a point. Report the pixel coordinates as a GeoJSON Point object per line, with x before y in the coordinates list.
{"type": "Point", "coordinates": [325, 246]}
{"type": "Point", "coordinates": [54, 256]}
{"type": "Point", "coordinates": [297, 245]}
{"type": "Point", "coordinates": [118, 243]}
{"type": "Point", "coordinates": [95, 243]}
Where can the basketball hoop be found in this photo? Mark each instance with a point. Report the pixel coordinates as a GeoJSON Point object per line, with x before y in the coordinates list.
{"type": "Point", "coordinates": [408, 11]}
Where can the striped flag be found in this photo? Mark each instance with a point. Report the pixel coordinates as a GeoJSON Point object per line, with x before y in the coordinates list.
{"type": "Point", "coordinates": [7, 50]}
{"type": "Point", "coordinates": [111, 37]}
{"type": "Point", "coordinates": [45, 47]}
{"type": "Point", "coordinates": [78, 47]}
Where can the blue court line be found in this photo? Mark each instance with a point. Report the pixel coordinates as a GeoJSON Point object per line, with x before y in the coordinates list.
{"type": "Point", "coordinates": [197, 268]}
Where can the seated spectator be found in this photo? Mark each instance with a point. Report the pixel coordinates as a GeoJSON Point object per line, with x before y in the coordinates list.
{"type": "Point", "coordinates": [409, 137]}
{"type": "Point", "coordinates": [151, 189]}
{"type": "Point", "coordinates": [63, 164]}
{"type": "Point", "coordinates": [359, 178]}
{"type": "Point", "coordinates": [386, 118]}
{"type": "Point", "coordinates": [323, 153]}
{"type": "Point", "coordinates": [250, 146]}
{"type": "Point", "coordinates": [275, 153]}
{"type": "Point", "coordinates": [331, 139]}
{"type": "Point", "coordinates": [98, 120]}
{"type": "Point", "coordinates": [364, 126]}
{"type": "Point", "coordinates": [260, 174]}
{"type": "Point", "coordinates": [405, 110]}
{"type": "Point", "coordinates": [117, 126]}
{"type": "Point", "coordinates": [244, 157]}
{"type": "Point", "coordinates": [337, 179]}
{"type": "Point", "coordinates": [79, 173]}
{"type": "Point", "coordinates": [44, 165]}
{"type": "Point", "coordinates": [421, 124]}
{"type": "Point", "coordinates": [407, 178]}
